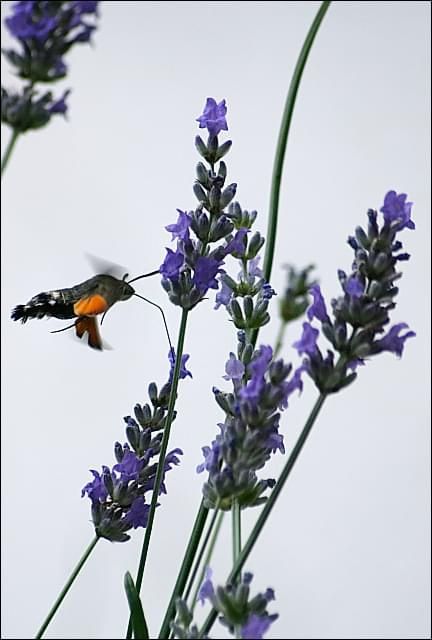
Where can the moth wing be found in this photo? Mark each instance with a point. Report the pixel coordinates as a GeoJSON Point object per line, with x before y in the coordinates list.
{"type": "Point", "coordinates": [91, 305]}
{"type": "Point", "coordinates": [90, 326]}
{"type": "Point", "coordinates": [100, 265]}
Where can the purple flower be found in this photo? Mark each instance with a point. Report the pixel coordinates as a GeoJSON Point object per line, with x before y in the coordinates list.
{"type": "Point", "coordinates": [211, 457]}
{"type": "Point", "coordinates": [183, 371]}
{"type": "Point", "coordinates": [206, 270]}
{"type": "Point", "coordinates": [354, 287]}
{"type": "Point", "coordinates": [257, 368]}
{"type": "Point", "coordinates": [358, 362]}
{"type": "Point", "coordinates": [308, 341]}
{"type": "Point", "coordinates": [318, 307]}
{"type": "Point", "coordinates": [275, 442]}
{"type": "Point", "coordinates": [206, 591]}
{"type": "Point", "coordinates": [256, 626]}
{"type": "Point", "coordinates": [223, 296]}
{"type": "Point", "coordinates": [96, 489]}
{"type": "Point", "coordinates": [234, 368]}
{"type": "Point", "coordinates": [253, 268]}
{"type": "Point", "coordinates": [395, 208]}
{"type": "Point", "coordinates": [170, 268]}
{"type": "Point", "coordinates": [236, 245]}
{"type": "Point", "coordinates": [137, 515]}
{"type": "Point", "coordinates": [180, 229]}
{"type": "Point", "coordinates": [296, 383]}
{"type": "Point", "coordinates": [25, 24]}
{"type": "Point", "coordinates": [267, 291]}
{"type": "Point", "coordinates": [394, 342]}
{"type": "Point", "coordinates": [130, 467]}
{"type": "Point", "coordinates": [85, 6]}
{"type": "Point", "coordinates": [213, 117]}
{"type": "Point", "coordinates": [172, 458]}
{"type": "Point", "coordinates": [60, 106]}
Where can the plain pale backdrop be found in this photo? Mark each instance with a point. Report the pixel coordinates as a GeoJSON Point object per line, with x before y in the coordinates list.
{"type": "Point", "coordinates": [347, 546]}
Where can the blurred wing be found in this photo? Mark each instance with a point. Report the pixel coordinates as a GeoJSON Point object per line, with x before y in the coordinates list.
{"type": "Point", "coordinates": [101, 266]}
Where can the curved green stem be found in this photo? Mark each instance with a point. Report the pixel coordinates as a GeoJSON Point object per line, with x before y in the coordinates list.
{"type": "Point", "coordinates": [185, 568]}
{"type": "Point", "coordinates": [162, 454]}
{"type": "Point", "coordinates": [9, 149]}
{"type": "Point", "coordinates": [279, 339]}
{"type": "Point", "coordinates": [268, 506]}
{"type": "Point", "coordinates": [66, 588]}
{"type": "Point", "coordinates": [283, 138]}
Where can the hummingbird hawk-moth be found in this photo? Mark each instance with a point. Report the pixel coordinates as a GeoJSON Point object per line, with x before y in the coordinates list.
{"type": "Point", "coordinates": [84, 302]}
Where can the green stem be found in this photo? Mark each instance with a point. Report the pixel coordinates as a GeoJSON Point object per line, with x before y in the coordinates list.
{"type": "Point", "coordinates": [200, 555]}
{"type": "Point", "coordinates": [280, 338]}
{"type": "Point", "coordinates": [185, 568]}
{"type": "Point", "coordinates": [236, 530]}
{"type": "Point", "coordinates": [66, 588]}
{"type": "Point", "coordinates": [162, 454]}
{"type": "Point", "coordinates": [9, 149]}
{"type": "Point", "coordinates": [207, 559]}
{"type": "Point", "coordinates": [283, 138]}
{"type": "Point", "coordinates": [262, 518]}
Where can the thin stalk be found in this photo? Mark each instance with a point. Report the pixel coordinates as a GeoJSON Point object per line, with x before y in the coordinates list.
{"type": "Point", "coordinates": [185, 568]}
{"type": "Point", "coordinates": [200, 554]}
{"type": "Point", "coordinates": [279, 338]}
{"type": "Point", "coordinates": [162, 454]}
{"type": "Point", "coordinates": [283, 139]}
{"type": "Point", "coordinates": [9, 149]}
{"type": "Point", "coordinates": [207, 559]}
{"type": "Point", "coordinates": [268, 506]}
{"type": "Point", "coordinates": [236, 533]}
{"type": "Point", "coordinates": [236, 530]}
{"type": "Point", "coordinates": [66, 588]}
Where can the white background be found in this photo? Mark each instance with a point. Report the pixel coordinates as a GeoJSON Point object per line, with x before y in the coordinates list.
{"type": "Point", "coordinates": [346, 549]}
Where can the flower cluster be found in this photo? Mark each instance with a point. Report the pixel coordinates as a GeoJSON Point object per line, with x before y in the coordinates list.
{"type": "Point", "coordinates": [295, 299]}
{"type": "Point", "coordinates": [245, 617]}
{"type": "Point", "coordinates": [250, 432]}
{"type": "Point", "coordinates": [24, 111]}
{"type": "Point", "coordinates": [118, 495]}
{"type": "Point", "coordinates": [45, 31]}
{"type": "Point", "coordinates": [261, 386]}
{"type": "Point", "coordinates": [368, 296]}
{"type": "Point", "coordinates": [190, 270]}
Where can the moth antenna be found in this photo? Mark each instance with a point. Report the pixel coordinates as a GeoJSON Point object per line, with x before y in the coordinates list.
{"type": "Point", "coordinates": [65, 328]}
{"type": "Point", "coordinates": [160, 309]}
{"type": "Point", "coordinates": [145, 275]}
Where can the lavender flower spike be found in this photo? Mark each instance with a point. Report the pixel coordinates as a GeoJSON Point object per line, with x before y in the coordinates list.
{"type": "Point", "coordinates": [362, 312]}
